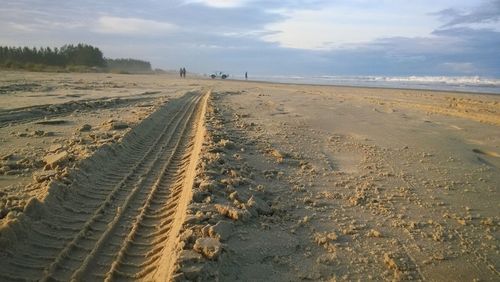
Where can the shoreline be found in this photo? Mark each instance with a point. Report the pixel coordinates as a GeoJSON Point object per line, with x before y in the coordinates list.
{"type": "Point", "coordinates": [173, 74]}
{"type": "Point", "coordinates": [371, 87]}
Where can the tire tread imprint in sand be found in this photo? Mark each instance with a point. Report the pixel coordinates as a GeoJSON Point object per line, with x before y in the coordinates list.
{"type": "Point", "coordinates": [148, 249]}
{"type": "Point", "coordinates": [122, 193]}
{"type": "Point", "coordinates": [64, 254]}
{"type": "Point", "coordinates": [145, 187]}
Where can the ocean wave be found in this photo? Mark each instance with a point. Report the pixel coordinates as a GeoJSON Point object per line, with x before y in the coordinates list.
{"type": "Point", "coordinates": [444, 83]}
{"type": "Point", "coordinates": [451, 80]}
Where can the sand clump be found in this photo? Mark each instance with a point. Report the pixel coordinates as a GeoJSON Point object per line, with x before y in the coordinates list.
{"type": "Point", "coordinates": [14, 164]}
{"type": "Point", "coordinates": [57, 159]}
{"type": "Point", "coordinates": [375, 196]}
{"type": "Point", "coordinates": [89, 191]}
{"type": "Point", "coordinates": [84, 128]}
{"type": "Point", "coordinates": [222, 200]}
{"type": "Point", "coordinates": [115, 125]}
{"type": "Point", "coordinates": [48, 140]}
{"type": "Point", "coordinates": [208, 247]}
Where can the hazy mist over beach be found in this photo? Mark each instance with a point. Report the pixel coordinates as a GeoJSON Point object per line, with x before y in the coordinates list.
{"type": "Point", "coordinates": [249, 140]}
{"type": "Point", "coordinates": [319, 37]}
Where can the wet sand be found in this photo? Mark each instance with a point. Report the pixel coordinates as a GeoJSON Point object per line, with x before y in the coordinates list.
{"type": "Point", "coordinates": [290, 182]}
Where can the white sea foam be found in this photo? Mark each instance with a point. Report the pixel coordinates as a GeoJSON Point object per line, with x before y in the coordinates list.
{"type": "Point", "coordinates": [451, 83]}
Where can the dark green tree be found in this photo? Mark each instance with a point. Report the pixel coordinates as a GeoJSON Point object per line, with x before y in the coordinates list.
{"type": "Point", "coordinates": [68, 55]}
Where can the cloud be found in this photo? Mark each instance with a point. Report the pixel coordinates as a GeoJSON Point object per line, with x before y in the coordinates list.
{"type": "Point", "coordinates": [117, 25]}
{"type": "Point", "coordinates": [335, 26]}
{"type": "Point", "coordinates": [21, 27]}
{"type": "Point", "coordinates": [300, 37]}
{"type": "Point", "coordinates": [220, 3]}
{"type": "Point", "coordinates": [465, 68]}
{"type": "Point", "coordinates": [485, 41]}
{"type": "Point", "coordinates": [488, 12]}
{"type": "Point", "coordinates": [412, 46]}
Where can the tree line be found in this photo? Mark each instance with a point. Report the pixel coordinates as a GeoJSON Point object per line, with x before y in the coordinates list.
{"type": "Point", "coordinates": [128, 65]}
{"type": "Point", "coordinates": [81, 55]}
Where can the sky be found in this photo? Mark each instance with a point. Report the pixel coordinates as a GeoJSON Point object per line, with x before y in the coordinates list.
{"type": "Point", "coordinates": [272, 37]}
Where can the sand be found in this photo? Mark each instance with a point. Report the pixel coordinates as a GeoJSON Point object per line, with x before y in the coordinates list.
{"type": "Point", "coordinates": [152, 177]}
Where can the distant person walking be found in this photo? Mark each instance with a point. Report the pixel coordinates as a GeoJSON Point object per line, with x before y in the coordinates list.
{"type": "Point", "coordinates": [181, 72]}
{"type": "Point", "coordinates": [246, 75]}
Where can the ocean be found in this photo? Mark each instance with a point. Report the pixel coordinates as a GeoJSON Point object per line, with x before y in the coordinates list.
{"type": "Point", "coordinates": [446, 83]}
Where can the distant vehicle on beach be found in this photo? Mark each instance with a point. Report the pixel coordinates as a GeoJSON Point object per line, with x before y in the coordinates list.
{"type": "Point", "coordinates": [219, 74]}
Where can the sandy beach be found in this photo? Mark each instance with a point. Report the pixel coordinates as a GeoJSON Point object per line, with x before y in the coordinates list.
{"type": "Point", "coordinates": [152, 177]}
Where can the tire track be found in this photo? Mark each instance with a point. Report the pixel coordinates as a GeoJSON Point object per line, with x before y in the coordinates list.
{"type": "Point", "coordinates": [118, 217]}
{"type": "Point", "coordinates": [39, 112]}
